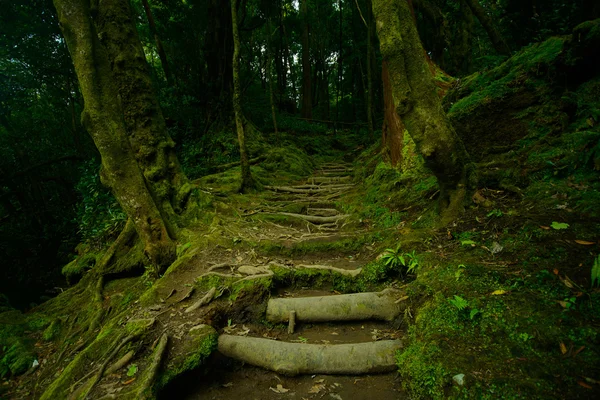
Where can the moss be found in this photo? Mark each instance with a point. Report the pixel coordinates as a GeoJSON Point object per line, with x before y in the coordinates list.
{"type": "Point", "coordinates": [16, 358]}
{"type": "Point", "coordinates": [194, 350]}
{"type": "Point", "coordinates": [424, 375]}
{"type": "Point", "coordinates": [74, 270]}
{"type": "Point", "coordinates": [53, 330]}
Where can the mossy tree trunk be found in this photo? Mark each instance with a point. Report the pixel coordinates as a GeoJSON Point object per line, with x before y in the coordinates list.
{"type": "Point", "coordinates": [490, 27]}
{"type": "Point", "coordinates": [103, 118]}
{"type": "Point", "coordinates": [247, 180]}
{"type": "Point", "coordinates": [418, 105]}
{"type": "Point", "coordinates": [152, 146]}
{"type": "Point", "coordinates": [306, 78]}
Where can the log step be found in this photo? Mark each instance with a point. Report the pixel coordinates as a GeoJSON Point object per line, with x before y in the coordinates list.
{"type": "Point", "coordinates": [301, 358]}
{"type": "Point", "coordinates": [345, 307]}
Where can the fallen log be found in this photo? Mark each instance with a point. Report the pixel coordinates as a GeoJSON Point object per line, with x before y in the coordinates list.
{"type": "Point", "coordinates": [345, 307]}
{"type": "Point", "coordinates": [348, 272]}
{"type": "Point", "coordinates": [301, 358]}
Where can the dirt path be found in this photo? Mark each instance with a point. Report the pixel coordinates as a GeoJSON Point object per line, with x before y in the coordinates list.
{"type": "Point", "coordinates": [305, 212]}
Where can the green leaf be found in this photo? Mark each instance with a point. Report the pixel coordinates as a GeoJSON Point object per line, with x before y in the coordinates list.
{"type": "Point", "coordinates": [596, 272]}
{"type": "Point", "coordinates": [468, 243]}
{"type": "Point", "coordinates": [132, 370]}
{"type": "Point", "coordinates": [559, 225]}
{"type": "Point", "coordinates": [473, 313]}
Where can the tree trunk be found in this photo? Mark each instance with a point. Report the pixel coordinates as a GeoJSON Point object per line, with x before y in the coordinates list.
{"type": "Point", "coordinates": [152, 146]}
{"type": "Point", "coordinates": [486, 21]}
{"type": "Point", "coordinates": [306, 78]}
{"type": "Point", "coordinates": [418, 105]}
{"type": "Point", "coordinates": [392, 132]}
{"type": "Point", "coordinates": [247, 180]}
{"type": "Point", "coordinates": [159, 47]}
{"type": "Point", "coordinates": [370, 62]}
{"type": "Point", "coordinates": [103, 118]}
{"type": "Point", "coordinates": [461, 48]}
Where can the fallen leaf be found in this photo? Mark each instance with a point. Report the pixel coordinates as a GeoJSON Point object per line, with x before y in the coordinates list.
{"type": "Point", "coordinates": [563, 304]}
{"type": "Point", "coordinates": [129, 381]}
{"type": "Point", "coordinates": [584, 242]}
{"type": "Point", "coordinates": [563, 348]}
{"type": "Point", "coordinates": [280, 389]}
{"type": "Point", "coordinates": [498, 292]}
{"type": "Point", "coordinates": [335, 396]}
{"type": "Point", "coordinates": [559, 225]}
{"type": "Point", "coordinates": [590, 380]}
{"type": "Point", "coordinates": [316, 388]}
{"type": "Point", "coordinates": [545, 227]}
{"type": "Point", "coordinates": [583, 384]}
{"type": "Point", "coordinates": [228, 384]}
{"type": "Point", "coordinates": [555, 271]}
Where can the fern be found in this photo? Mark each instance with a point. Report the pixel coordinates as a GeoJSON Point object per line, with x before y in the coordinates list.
{"type": "Point", "coordinates": [596, 272]}
{"type": "Point", "coordinates": [459, 302]}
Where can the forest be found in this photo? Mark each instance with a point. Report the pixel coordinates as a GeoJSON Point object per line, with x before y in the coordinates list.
{"type": "Point", "coordinates": [299, 199]}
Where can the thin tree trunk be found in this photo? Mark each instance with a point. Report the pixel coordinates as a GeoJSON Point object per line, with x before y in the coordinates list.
{"type": "Point", "coordinates": [370, 61]}
{"type": "Point", "coordinates": [159, 47]}
{"type": "Point", "coordinates": [270, 75]}
{"type": "Point", "coordinates": [418, 105]}
{"type": "Point", "coordinates": [74, 130]}
{"type": "Point", "coordinates": [368, 22]}
{"type": "Point", "coordinates": [338, 94]}
{"type": "Point", "coordinates": [152, 146]}
{"type": "Point", "coordinates": [103, 119]}
{"type": "Point", "coordinates": [247, 181]}
{"type": "Point", "coordinates": [490, 27]}
{"type": "Point", "coordinates": [306, 78]}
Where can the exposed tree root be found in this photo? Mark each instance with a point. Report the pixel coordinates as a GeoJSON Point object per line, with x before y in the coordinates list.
{"type": "Point", "coordinates": [319, 189]}
{"type": "Point", "coordinates": [347, 272]}
{"type": "Point", "coordinates": [145, 390]}
{"type": "Point", "coordinates": [301, 358]}
{"type": "Point", "coordinates": [207, 298]}
{"type": "Point", "coordinates": [313, 218]}
{"type": "Point", "coordinates": [347, 307]}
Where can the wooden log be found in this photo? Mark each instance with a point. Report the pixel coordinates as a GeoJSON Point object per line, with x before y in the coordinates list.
{"type": "Point", "coordinates": [301, 358]}
{"type": "Point", "coordinates": [346, 307]}
{"type": "Point", "coordinates": [292, 322]}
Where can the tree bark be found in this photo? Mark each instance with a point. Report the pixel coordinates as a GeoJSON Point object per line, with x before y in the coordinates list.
{"type": "Point", "coordinates": [392, 132]}
{"type": "Point", "coordinates": [247, 180]}
{"type": "Point", "coordinates": [103, 118]}
{"type": "Point", "coordinates": [159, 47]}
{"type": "Point", "coordinates": [418, 105]}
{"type": "Point", "coordinates": [306, 78]}
{"type": "Point", "coordinates": [153, 148]}
{"type": "Point", "coordinates": [490, 27]}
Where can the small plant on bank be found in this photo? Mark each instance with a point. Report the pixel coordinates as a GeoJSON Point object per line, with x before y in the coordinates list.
{"type": "Point", "coordinates": [596, 272]}
{"type": "Point", "coordinates": [462, 305]}
{"type": "Point", "coordinates": [395, 258]}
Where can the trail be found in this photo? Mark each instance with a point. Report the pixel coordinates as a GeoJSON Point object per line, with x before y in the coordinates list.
{"type": "Point", "coordinates": [304, 213]}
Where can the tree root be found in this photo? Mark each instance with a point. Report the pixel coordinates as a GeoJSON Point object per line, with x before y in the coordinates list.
{"type": "Point", "coordinates": [145, 390]}
{"type": "Point", "coordinates": [87, 387]}
{"type": "Point", "coordinates": [319, 189]}
{"type": "Point", "coordinates": [203, 301]}
{"type": "Point", "coordinates": [301, 358]}
{"type": "Point", "coordinates": [313, 218]}
{"type": "Point", "coordinates": [346, 272]}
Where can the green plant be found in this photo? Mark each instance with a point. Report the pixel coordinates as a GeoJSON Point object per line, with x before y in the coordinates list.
{"type": "Point", "coordinates": [459, 271]}
{"type": "Point", "coordinates": [132, 370]}
{"type": "Point", "coordinates": [395, 258]}
{"type": "Point", "coordinates": [462, 305]}
{"type": "Point", "coordinates": [559, 225]}
{"type": "Point", "coordinates": [495, 213]}
{"type": "Point", "coordinates": [596, 272]}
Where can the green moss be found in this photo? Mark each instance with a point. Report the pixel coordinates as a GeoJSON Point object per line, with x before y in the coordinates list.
{"type": "Point", "coordinates": [197, 346]}
{"type": "Point", "coordinates": [421, 367]}
{"type": "Point", "coordinates": [53, 330]}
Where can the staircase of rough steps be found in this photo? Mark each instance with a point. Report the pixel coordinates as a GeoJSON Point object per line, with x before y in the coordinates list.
{"type": "Point", "coordinates": [339, 334]}
{"type": "Point", "coordinates": [313, 201]}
